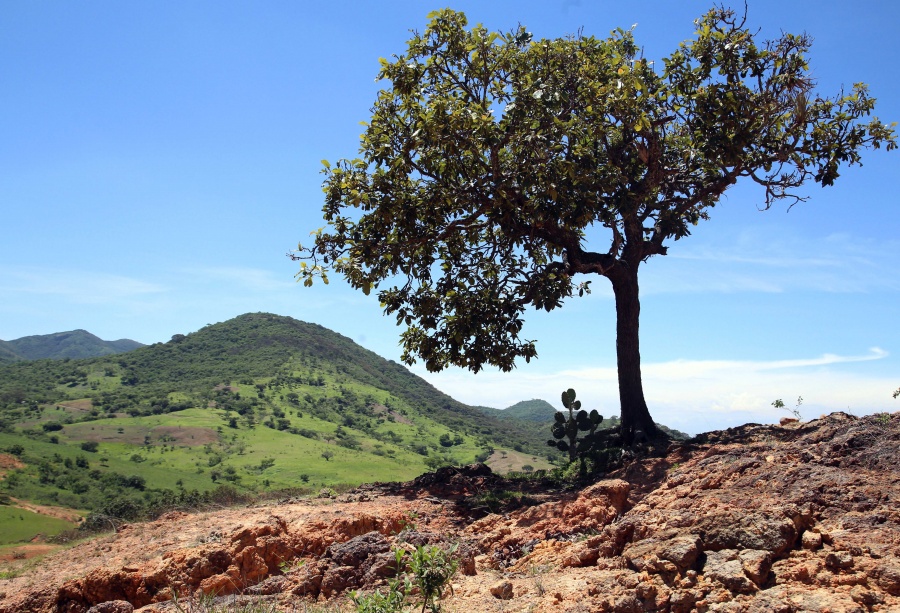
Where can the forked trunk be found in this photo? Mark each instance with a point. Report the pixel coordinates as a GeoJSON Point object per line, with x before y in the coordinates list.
{"type": "Point", "coordinates": [635, 420]}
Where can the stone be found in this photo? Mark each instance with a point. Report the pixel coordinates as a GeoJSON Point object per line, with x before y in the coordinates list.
{"type": "Point", "coordinates": [726, 568]}
{"type": "Point", "coordinates": [675, 554]}
{"type": "Point", "coordinates": [336, 580]}
{"type": "Point", "coordinates": [747, 530]}
{"type": "Point", "coordinates": [756, 565]}
{"type": "Point", "coordinates": [112, 606]}
{"type": "Point", "coordinates": [839, 560]}
{"type": "Point", "coordinates": [502, 590]}
{"type": "Point", "coordinates": [811, 540]}
{"type": "Point", "coordinates": [356, 550]}
{"type": "Point", "coordinates": [888, 576]}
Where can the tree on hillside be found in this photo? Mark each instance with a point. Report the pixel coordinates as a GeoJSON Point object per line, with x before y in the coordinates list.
{"type": "Point", "coordinates": [489, 156]}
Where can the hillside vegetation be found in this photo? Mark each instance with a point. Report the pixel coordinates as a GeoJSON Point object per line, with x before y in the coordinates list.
{"type": "Point", "coordinates": [260, 402]}
{"type": "Point", "coordinates": [60, 345]}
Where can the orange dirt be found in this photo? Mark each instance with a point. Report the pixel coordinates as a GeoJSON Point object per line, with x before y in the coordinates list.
{"type": "Point", "coordinates": [9, 462]}
{"type": "Point", "coordinates": [57, 512]}
{"type": "Point", "coordinates": [798, 518]}
{"type": "Point", "coordinates": [27, 551]}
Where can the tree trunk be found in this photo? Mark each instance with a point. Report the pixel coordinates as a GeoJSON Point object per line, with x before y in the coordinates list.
{"type": "Point", "coordinates": [636, 420]}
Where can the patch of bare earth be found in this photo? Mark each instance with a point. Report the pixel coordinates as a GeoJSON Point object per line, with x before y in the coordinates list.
{"type": "Point", "coordinates": [26, 551]}
{"type": "Point", "coordinates": [789, 519]}
{"type": "Point", "coordinates": [9, 462]}
{"type": "Point", "coordinates": [63, 513]}
{"type": "Point", "coordinates": [83, 404]}
{"type": "Point", "coordinates": [380, 409]}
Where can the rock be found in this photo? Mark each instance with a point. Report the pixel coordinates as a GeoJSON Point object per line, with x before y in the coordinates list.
{"type": "Point", "coordinates": [755, 519]}
{"type": "Point", "coordinates": [839, 560]}
{"type": "Point", "coordinates": [356, 550]}
{"type": "Point", "coordinates": [756, 565]}
{"type": "Point", "coordinates": [674, 554]}
{"type": "Point", "coordinates": [336, 580]}
{"type": "Point", "coordinates": [811, 540]}
{"type": "Point", "coordinates": [726, 568]}
{"type": "Point", "coordinates": [888, 576]}
{"type": "Point", "coordinates": [272, 585]}
{"type": "Point", "coordinates": [112, 606]}
{"type": "Point", "coordinates": [865, 597]}
{"type": "Point", "coordinates": [502, 590]}
{"type": "Point", "coordinates": [732, 529]}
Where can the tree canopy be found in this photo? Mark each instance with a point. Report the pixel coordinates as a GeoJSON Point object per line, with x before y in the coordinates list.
{"type": "Point", "coordinates": [489, 155]}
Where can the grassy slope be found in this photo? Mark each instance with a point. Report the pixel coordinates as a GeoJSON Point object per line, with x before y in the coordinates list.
{"type": "Point", "coordinates": [257, 402]}
{"type": "Point", "coordinates": [20, 525]}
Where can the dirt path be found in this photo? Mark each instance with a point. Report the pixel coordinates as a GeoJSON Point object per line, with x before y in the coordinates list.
{"type": "Point", "coordinates": [63, 513]}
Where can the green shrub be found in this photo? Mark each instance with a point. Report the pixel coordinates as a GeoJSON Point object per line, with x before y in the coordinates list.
{"type": "Point", "coordinates": [430, 570]}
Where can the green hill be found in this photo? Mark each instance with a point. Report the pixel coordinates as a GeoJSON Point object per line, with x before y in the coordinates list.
{"type": "Point", "coordinates": [531, 410]}
{"type": "Point", "coordinates": [535, 416]}
{"type": "Point", "coordinates": [257, 402]}
{"type": "Point", "coordinates": [7, 353]}
{"type": "Point", "coordinates": [60, 345]}
{"type": "Point", "coordinates": [539, 411]}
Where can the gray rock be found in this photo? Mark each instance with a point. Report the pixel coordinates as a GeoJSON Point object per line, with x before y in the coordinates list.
{"type": "Point", "coordinates": [725, 567]}
{"type": "Point", "coordinates": [112, 606]}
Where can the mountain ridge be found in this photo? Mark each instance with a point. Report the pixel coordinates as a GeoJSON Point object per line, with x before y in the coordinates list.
{"type": "Point", "coordinates": [72, 344]}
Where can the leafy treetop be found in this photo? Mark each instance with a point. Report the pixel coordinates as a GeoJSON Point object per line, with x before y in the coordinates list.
{"type": "Point", "coordinates": [489, 155]}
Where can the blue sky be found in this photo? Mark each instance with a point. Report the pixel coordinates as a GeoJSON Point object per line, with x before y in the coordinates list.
{"type": "Point", "coordinates": [157, 161]}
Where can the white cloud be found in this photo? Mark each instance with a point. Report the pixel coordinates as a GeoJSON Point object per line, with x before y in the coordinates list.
{"type": "Point", "coordinates": [695, 395]}
{"type": "Point", "coordinates": [83, 287]}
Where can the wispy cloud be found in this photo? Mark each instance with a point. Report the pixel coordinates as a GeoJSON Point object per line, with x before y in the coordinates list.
{"type": "Point", "coordinates": [695, 395]}
{"type": "Point", "coordinates": [78, 286]}
{"type": "Point", "coordinates": [245, 277]}
{"type": "Point", "coordinates": [753, 261]}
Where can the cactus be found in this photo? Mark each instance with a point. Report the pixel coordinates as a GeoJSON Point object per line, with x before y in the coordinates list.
{"type": "Point", "coordinates": [566, 431]}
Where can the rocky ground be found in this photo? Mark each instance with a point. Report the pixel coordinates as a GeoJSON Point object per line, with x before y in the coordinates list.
{"type": "Point", "coordinates": [795, 518]}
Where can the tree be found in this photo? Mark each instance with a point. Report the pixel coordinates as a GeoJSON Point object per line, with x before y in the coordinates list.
{"type": "Point", "coordinates": [489, 156]}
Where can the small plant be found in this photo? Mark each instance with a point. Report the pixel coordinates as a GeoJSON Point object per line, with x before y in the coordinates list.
{"type": "Point", "coordinates": [430, 569]}
{"type": "Point", "coordinates": [778, 404]}
{"type": "Point", "coordinates": [537, 573]}
{"type": "Point", "coordinates": [409, 521]}
{"type": "Point", "coordinates": [288, 566]}
{"type": "Point", "coordinates": [377, 602]}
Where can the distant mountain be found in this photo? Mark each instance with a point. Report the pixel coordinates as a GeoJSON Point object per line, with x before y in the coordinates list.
{"type": "Point", "coordinates": [7, 353]}
{"type": "Point", "coordinates": [531, 410]}
{"type": "Point", "coordinates": [535, 410]}
{"type": "Point", "coordinates": [531, 413]}
{"type": "Point", "coordinates": [75, 344]}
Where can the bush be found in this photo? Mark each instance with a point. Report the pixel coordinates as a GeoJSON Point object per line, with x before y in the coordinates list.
{"type": "Point", "coordinates": [90, 446]}
{"type": "Point", "coordinates": [430, 570]}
